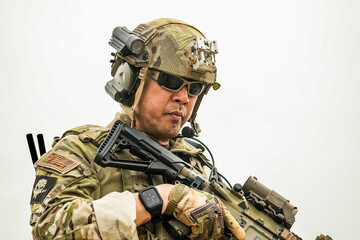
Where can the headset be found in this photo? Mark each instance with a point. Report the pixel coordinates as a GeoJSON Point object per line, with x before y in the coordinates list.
{"type": "Point", "coordinates": [123, 86]}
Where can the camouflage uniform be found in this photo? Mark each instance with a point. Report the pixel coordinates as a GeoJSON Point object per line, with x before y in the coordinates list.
{"type": "Point", "coordinates": [74, 198]}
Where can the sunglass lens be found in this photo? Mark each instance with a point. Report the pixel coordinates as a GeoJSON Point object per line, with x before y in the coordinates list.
{"type": "Point", "coordinates": [169, 81]}
{"type": "Point", "coordinates": [196, 88]}
{"type": "Point", "coordinates": [174, 83]}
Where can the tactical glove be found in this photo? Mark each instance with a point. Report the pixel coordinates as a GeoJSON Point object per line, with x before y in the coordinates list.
{"type": "Point", "coordinates": [323, 237]}
{"type": "Point", "coordinates": [204, 213]}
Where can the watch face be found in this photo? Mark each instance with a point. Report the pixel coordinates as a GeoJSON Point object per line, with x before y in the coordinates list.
{"type": "Point", "coordinates": [151, 198]}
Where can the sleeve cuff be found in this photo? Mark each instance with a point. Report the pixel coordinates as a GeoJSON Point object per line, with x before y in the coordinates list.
{"type": "Point", "coordinates": [115, 214]}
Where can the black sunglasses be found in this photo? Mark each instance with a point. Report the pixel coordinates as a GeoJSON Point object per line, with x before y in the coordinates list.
{"type": "Point", "coordinates": [172, 83]}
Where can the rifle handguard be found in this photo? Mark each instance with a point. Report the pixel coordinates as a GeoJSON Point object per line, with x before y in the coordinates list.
{"type": "Point", "coordinates": [180, 190]}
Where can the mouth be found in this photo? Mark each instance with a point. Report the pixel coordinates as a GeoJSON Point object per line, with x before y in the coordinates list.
{"type": "Point", "coordinates": [176, 115]}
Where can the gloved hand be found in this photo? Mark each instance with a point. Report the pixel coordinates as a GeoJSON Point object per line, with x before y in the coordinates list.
{"type": "Point", "coordinates": [323, 237]}
{"type": "Point", "coordinates": [204, 213]}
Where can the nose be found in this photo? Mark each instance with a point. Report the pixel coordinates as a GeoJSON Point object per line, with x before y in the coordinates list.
{"type": "Point", "coordinates": [181, 96]}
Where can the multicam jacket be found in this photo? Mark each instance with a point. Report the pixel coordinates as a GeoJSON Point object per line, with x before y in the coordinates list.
{"type": "Point", "coordinates": [74, 198]}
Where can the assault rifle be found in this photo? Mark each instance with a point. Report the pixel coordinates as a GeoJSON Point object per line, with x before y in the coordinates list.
{"type": "Point", "coordinates": [262, 213]}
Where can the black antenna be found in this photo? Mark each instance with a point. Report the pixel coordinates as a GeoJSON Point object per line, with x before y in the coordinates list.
{"type": "Point", "coordinates": [32, 148]}
{"type": "Point", "coordinates": [41, 144]}
{"type": "Point", "coordinates": [30, 140]}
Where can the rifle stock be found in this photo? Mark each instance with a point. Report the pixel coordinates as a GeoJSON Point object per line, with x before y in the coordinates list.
{"type": "Point", "coordinates": [261, 212]}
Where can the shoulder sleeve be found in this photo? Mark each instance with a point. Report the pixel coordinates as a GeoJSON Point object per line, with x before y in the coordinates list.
{"type": "Point", "coordinates": [180, 145]}
{"type": "Point", "coordinates": [61, 203]}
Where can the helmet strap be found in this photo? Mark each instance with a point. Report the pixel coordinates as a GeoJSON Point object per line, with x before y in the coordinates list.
{"type": "Point", "coordinates": [195, 125]}
{"type": "Point", "coordinates": [130, 110]}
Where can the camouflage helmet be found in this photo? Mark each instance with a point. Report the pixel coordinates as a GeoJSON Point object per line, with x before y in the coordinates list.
{"type": "Point", "coordinates": [177, 48]}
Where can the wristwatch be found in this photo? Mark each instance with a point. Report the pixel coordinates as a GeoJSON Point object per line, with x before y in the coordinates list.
{"type": "Point", "coordinates": [152, 201]}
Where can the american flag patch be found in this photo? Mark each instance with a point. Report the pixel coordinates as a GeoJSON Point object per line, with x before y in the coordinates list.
{"type": "Point", "coordinates": [57, 162]}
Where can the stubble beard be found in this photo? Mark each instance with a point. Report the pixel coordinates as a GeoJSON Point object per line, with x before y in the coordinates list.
{"type": "Point", "coordinates": [164, 132]}
{"type": "Point", "coordinates": [161, 131]}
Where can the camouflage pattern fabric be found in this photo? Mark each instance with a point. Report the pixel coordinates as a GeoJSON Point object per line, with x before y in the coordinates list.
{"type": "Point", "coordinates": [74, 198]}
{"type": "Point", "coordinates": [169, 43]}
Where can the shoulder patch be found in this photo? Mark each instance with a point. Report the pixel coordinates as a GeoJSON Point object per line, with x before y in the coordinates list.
{"type": "Point", "coordinates": [57, 162]}
{"type": "Point", "coordinates": [42, 186]}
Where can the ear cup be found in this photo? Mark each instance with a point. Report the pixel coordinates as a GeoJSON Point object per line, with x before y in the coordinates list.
{"type": "Point", "coordinates": [123, 86]}
{"type": "Point", "coordinates": [124, 77]}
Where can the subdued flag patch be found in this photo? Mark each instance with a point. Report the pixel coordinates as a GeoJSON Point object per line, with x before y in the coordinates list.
{"type": "Point", "coordinates": [57, 162]}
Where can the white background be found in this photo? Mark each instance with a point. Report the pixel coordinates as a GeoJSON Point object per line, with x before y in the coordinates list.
{"type": "Point", "coordinates": [287, 111]}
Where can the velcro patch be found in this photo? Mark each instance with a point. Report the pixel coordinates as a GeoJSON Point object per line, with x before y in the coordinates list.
{"type": "Point", "coordinates": [42, 186]}
{"type": "Point", "coordinates": [204, 211]}
{"type": "Point", "coordinates": [57, 162]}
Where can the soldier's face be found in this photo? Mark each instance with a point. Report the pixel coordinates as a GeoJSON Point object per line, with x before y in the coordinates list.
{"type": "Point", "coordinates": [161, 113]}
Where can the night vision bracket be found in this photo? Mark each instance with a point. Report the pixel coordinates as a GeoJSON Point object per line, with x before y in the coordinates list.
{"type": "Point", "coordinates": [203, 53]}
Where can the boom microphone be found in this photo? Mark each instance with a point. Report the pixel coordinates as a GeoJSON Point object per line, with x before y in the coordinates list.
{"type": "Point", "coordinates": [188, 132]}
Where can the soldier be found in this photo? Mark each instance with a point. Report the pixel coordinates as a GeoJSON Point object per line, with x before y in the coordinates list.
{"type": "Point", "coordinates": [160, 78]}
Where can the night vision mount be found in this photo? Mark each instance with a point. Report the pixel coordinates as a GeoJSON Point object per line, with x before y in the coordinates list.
{"type": "Point", "coordinates": [203, 53]}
